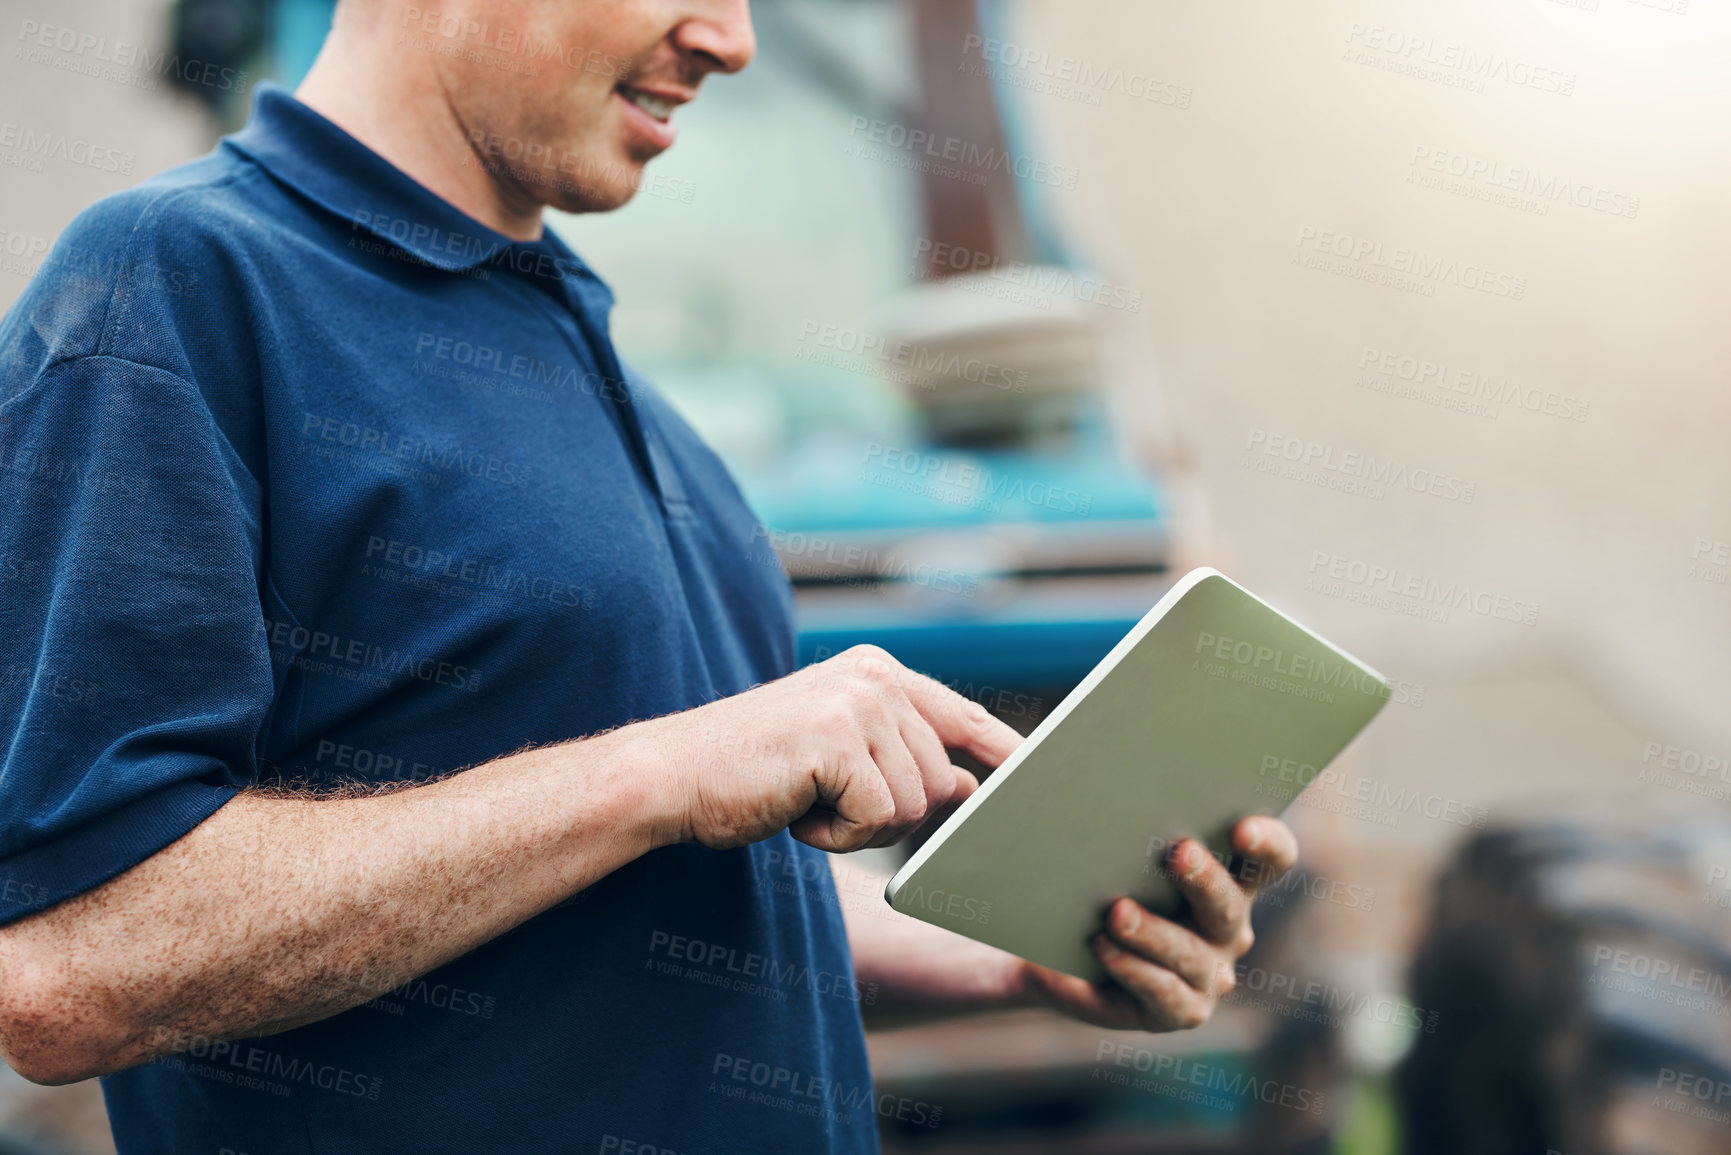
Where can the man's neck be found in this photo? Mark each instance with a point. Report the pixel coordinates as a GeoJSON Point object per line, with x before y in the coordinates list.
{"type": "Point", "coordinates": [405, 115]}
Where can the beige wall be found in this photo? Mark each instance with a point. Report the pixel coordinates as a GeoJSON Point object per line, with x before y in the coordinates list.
{"type": "Point", "coordinates": [133, 132]}
{"type": "Point", "coordinates": [1595, 521]}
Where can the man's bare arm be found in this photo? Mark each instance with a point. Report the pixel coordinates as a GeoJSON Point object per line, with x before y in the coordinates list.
{"type": "Point", "coordinates": [919, 972]}
{"type": "Point", "coordinates": [280, 911]}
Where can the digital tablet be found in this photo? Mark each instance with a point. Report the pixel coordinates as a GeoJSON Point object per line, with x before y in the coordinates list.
{"type": "Point", "coordinates": [1204, 713]}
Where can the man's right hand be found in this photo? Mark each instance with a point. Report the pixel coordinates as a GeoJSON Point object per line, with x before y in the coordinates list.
{"type": "Point", "coordinates": [846, 754]}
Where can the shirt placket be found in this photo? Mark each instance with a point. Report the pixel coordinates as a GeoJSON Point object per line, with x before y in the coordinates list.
{"type": "Point", "coordinates": [586, 303]}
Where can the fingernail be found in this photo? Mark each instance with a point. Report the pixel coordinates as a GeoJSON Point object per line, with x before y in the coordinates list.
{"type": "Point", "coordinates": [1108, 948]}
{"type": "Point", "coordinates": [1131, 918]}
{"type": "Point", "coordinates": [1255, 836]}
{"type": "Point", "coordinates": [1193, 860]}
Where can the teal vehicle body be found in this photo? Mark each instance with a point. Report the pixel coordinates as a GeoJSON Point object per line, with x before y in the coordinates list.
{"type": "Point", "coordinates": [1012, 564]}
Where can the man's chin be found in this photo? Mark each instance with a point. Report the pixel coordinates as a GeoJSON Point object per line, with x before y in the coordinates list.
{"type": "Point", "coordinates": [598, 186]}
{"type": "Point", "coordinates": [593, 196]}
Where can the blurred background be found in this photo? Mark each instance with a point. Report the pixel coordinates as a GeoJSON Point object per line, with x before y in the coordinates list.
{"type": "Point", "coordinates": [1411, 315]}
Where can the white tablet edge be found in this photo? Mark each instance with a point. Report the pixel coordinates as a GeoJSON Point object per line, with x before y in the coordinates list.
{"type": "Point", "coordinates": [1171, 598]}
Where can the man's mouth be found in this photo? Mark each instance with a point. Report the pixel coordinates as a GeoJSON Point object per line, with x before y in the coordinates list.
{"type": "Point", "coordinates": [656, 106]}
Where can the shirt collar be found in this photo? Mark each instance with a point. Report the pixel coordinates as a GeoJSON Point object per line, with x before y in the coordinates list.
{"type": "Point", "coordinates": [346, 178]}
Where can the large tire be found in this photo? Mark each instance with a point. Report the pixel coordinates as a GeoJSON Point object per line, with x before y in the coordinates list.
{"type": "Point", "coordinates": [1552, 1033]}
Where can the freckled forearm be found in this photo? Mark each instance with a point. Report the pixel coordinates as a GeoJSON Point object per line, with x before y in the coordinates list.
{"type": "Point", "coordinates": [280, 910]}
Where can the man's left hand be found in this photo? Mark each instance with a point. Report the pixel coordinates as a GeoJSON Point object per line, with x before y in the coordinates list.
{"type": "Point", "coordinates": [1167, 975]}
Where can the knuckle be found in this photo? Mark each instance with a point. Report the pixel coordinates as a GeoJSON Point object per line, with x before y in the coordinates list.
{"type": "Point", "coordinates": [1243, 940]}
{"type": "Point", "coordinates": [873, 693]}
{"type": "Point", "coordinates": [977, 715]}
{"type": "Point", "coordinates": [835, 717]}
{"type": "Point", "coordinates": [890, 696]}
{"type": "Point", "coordinates": [879, 813]}
{"type": "Point", "coordinates": [1197, 959]}
{"type": "Point", "coordinates": [1195, 1015]}
{"type": "Point", "coordinates": [870, 661]}
{"type": "Point", "coordinates": [855, 689]}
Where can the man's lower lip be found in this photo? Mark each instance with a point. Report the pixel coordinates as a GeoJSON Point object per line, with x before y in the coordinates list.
{"type": "Point", "coordinates": [657, 132]}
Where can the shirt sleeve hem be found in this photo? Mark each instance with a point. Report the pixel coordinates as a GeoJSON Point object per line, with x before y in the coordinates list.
{"type": "Point", "coordinates": [89, 856]}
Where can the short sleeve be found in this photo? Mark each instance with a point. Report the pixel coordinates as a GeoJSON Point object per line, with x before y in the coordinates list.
{"type": "Point", "coordinates": [135, 678]}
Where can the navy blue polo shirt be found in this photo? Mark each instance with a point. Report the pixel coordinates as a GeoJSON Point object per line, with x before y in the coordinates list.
{"type": "Point", "coordinates": [307, 477]}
